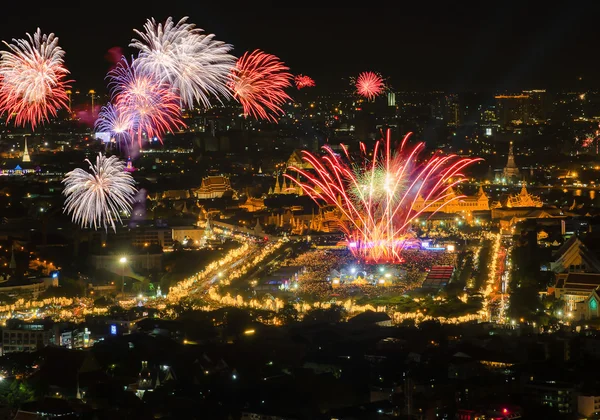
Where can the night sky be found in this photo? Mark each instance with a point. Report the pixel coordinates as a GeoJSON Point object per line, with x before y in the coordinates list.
{"type": "Point", "coordinates": [433, 47]}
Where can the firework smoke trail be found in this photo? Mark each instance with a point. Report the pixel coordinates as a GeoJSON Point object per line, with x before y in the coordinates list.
{"type": "Point", "coordinates": [378, 198]}
{"type": "Point", "coordinates": [195, 64]}
{"type": "Point", "coordinates": [369, 84]}
{"type": "Point", "coordinates": [303, 81]}
{"type": "Point", "coordinates": [139, 207]}
{"type": "Point", "coordinates": [33, 78]}
{"type": "Point", "coordinates": [96, 198]}
{"type": "Point", "coordinates": [152, 105]}
{"type": "Point", "coordinates": [258, 82]}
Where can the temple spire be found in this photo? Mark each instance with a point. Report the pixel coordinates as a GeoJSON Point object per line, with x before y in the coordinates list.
{"type": "Point", "coordinates": [26, 157]}
{"type": "Point", "coordinates": [510, 170]}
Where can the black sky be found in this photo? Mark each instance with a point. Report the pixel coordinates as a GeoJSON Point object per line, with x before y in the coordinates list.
{"type": "Point", "coordinates": [450, 47]}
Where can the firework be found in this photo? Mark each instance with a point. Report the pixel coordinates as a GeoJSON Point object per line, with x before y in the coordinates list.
{"type": "Point", "coordinates": [258, 82]}
{"type": "Point", "coordinates": [116, 122]}
{"type": "Point", "coordinates": [590, 141]}
{"type": "Point", "coordinates": [303, 81]}
{"type": "Point", "coordinates": [369, 84]}
{"type": "Point", "coordinates": [96, 198]}
{"type": "Point", "coordinates": [195, 64]}
{"type": "Point", "coordinates": [375, 199]}
{"type": "Point", "coordinates": [151, 105]}
{"type": "Point", "coordinates": [33, 79]}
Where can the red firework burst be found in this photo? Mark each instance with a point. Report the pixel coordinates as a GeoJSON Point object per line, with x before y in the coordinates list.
{"type": "Point", "coordinates": [375, 201]}
{"type": "Point", "coordinates": [151, 105]}
{"type": "Point", "coordinates": [258, 82]}
{"type": "Point", "coordinates": [303, 81]}
{"type": "Point", "coordinates": [369, 84]}
{"type": "Point", "coordinates": [33, 79]}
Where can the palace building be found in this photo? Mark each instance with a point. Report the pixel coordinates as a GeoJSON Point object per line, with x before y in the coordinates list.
{"type": "Point", "coordinates": [452, 204]}
{"type": "Point", "coordinates": [524, 199]}
{"type": "Point", "coordinates": [295, 160]}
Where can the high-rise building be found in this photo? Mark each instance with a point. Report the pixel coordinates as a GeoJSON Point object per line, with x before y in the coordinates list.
{"type": "Point", "coordinates": [526, 108]}
{"type": "Point", "coordinates": [512, 110]}
{"type": "Point", "coordinates": [391, 99]}
{"type": "Point", "coordinates": [536, 105]}
{"type": "Point", "coordinates": [453, 115]}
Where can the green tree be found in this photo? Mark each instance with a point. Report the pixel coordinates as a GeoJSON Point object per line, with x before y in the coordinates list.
{"type": "Point", "coordinates": [67, 288]}
{"type": "Point", "coordinates": [15, 394]}
{"type": "Point", "coordinates": [485, 255]}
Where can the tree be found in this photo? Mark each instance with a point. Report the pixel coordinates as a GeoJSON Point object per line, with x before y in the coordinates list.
{"type": "Point", "coordinates": [15, 394]}
{"type": "Point", "coordinates": [68, 288]}
{"type": "Point", "coordinates": [333, 314]}
{"type": "Point", "coordinates": [6, 299]}
{"type": "Point", "coordinates": [236, 320]}
{"type": "Point", "coordinates": [288, 313]}
{"type": "Point", "coordinates": [485, 255]}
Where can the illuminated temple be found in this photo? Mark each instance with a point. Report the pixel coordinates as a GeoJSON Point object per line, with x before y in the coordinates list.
{"type": "Point", "coordinates": [523, 199]}
{"type": "Point", "coordinates": [287, 186]}
{"type": "Point", "coordinates": [213, 187]}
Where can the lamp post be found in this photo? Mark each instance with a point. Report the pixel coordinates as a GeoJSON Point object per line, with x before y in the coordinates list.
{"type": "Point", "coordinates": [92, 93]}
{"type": "Point", "coordinates": [123, 260]}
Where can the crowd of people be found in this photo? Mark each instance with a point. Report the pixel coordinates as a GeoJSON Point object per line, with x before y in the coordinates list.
{"type": "Point", "coordinates": [316, 281]}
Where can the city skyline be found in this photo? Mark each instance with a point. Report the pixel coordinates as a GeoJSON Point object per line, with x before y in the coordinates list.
{"type": "Point", "coordinates": [481, 48]}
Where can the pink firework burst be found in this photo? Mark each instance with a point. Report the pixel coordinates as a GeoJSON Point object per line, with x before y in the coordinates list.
{"type": "Point", "coordinates": [150, 105]}
{"type": "Point", "coordinates": [33, 78]}
{"type": "Point", "coordinates": [258, 82]}
{"type": "Point", "coordinates": [377, 199]}
{"type": "Point", "coordinates": [303, 81]}
{"type": "Point", "coordinates": [369, 84]}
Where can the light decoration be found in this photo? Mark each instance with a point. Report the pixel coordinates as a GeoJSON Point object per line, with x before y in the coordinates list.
{"type": "Point", "coordinates": [492, 275]}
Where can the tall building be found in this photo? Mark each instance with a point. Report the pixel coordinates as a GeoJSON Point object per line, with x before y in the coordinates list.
{"type": "Point", "coordinates": [391, 99]}
{"type": "Point", "coordinates": [526, 108]}
{"type": "Point", "coordinates": [536, 105]}
{"type": "Point", "coordinates": [489, 119]}
{"type": "Point", "coordinates": [453, 115]}
{"type": "Point", "coordinates": [512, 109]}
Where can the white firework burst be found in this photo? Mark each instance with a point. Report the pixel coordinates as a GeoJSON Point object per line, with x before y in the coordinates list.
{"type": "Point", "coordinates": [96, 198]}
{"type": "Point", "coordinates": [194, 63]}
